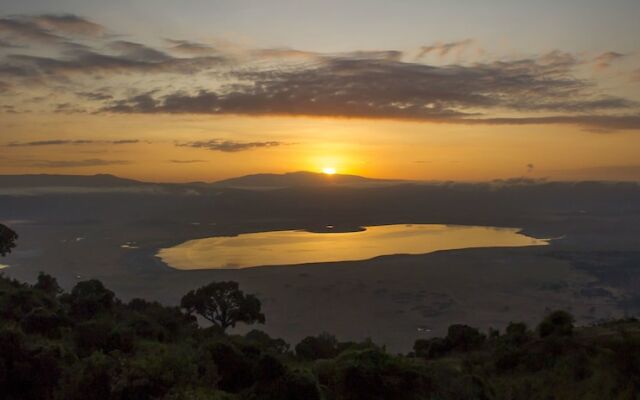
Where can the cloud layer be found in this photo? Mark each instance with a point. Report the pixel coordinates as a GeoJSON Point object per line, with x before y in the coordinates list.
{"type": "Point", "coordinates": [228, 146]}
{"type": "Point", "coordinates": [59, 142]}
{"type": "Point", "coordinates": [542, 89]}
{"type": "Point", "coordinates": [92, 162]}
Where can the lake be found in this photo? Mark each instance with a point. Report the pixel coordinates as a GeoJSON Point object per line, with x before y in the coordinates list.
{"type": "Point", "coordinates": [301, 247]}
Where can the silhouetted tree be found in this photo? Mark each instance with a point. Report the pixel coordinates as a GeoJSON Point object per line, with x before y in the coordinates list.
{"type": "Point", "coordinates": [558, 323]}
{"type": "Point", "coordinates": [89, 298]}
{"type": "Point", "coordinates": [42, 321]}
{"type": "Point", "coordinates": [516, 333]}
{"type": "Point", "coordinates": [48, 284]}
{"type": "Point", "coordinates": [431, 348]}
{"type": "Point", "coordinates": [464, 338]}
{"type": "Point", "coordinates": [317, 347]}
{"type": "Point", "coordinates": [7, 240]}
{"type": "Point", "coordinates": [223, 304]}
{"type": "Point", "coordinates": [266, 342]}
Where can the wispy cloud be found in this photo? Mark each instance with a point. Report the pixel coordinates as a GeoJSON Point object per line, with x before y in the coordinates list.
{"type": "Point", "coordinates": [92, 162]}
{"type": "Point", "coordinates": [218, 80]}
{"type": "Point", "coordinates": [187, 161]}
{"type": "Point", "coordinates": [59, 142]}
{"type": "Point", "coordinates": [443, 49]}
{"type": "Point", "coordinates": [228, 146]}
{"type": "Point", "coordinates": [188, 47]}
{"type": "Point", "coordinates": [605, 60]}
{"type": "Point", "coordinates": [381, 88]}
{"type": "Point", "coordinates": [48, 28]}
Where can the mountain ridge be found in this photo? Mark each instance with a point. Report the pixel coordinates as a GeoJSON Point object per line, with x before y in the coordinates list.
{"type": "Point", "coordinates": [257, 181]}
{"type": "Point", "coordinates": [301, 179]}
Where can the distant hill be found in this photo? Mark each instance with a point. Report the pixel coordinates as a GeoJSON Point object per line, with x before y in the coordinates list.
{"type": "Point", "coordinates": [301, 179]}
{"type": "Point", "coordinates": [46, 180]}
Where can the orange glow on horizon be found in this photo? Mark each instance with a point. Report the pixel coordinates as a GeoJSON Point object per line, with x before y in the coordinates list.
{"type": "Point", "coordinates": [328, 170]}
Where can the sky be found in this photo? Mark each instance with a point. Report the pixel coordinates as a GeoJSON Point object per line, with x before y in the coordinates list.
{"type": "Point", "coordinates": [201, 90]}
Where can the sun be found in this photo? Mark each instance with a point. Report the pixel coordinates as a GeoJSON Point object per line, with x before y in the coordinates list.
{"type": "Point", "coordinates": [328, 170]}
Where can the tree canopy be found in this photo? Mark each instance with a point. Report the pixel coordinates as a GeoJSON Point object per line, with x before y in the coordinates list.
{"type": "Point", "coordinates": [88, 344]}
{"type": "Point", "coordinates": [7, 240]}
{"type": "Point", "coordinates": [223, 304]}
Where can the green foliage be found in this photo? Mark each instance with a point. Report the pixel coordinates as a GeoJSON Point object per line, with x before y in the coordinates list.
{"type": "Point", "coordinates": [431, 348]}
{"type": "Point", "coordinates": [235, 369]}
{"type": "Point", "coordinates": [266, 343]}
{"type": "Point", "coordinates": [43, 322]}
{"type": "Point", "coordinates": [559, 323]}
{"type": "Point", "coordinates": [87, 344]}
{"type": "Point", "coordinates": [88, 299]}
{"type": "Point", "coordinates": [223, 304]}
{"type": "Point", "coordinates": [317, 347]}
{"type": "Point", "coordinates": [464, 338]}
{"type": "Point", "coordinates": [285, 385]}
{"type": "Point", "coordinates": [7, 240]}
{"type": "Point", "coordinates": [374, 374]}
{"type": "Point", "coordinates": [459, 338]}
{"type": "Point", "coordinates": [48, 284]}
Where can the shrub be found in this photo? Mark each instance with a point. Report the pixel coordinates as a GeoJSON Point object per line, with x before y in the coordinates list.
{"type": "Point", "coordinates": [557, 323]}
{"type": "Point", "coordinates": [317, 347]}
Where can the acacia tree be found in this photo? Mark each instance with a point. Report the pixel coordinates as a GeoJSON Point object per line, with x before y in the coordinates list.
{"type": "Point", "coordinates": [7, 240]}
{"type": "Point", "coordinates": [223, 304]}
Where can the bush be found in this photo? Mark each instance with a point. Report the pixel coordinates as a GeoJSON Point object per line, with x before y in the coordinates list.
{"type": "Point", "coordinates": [317, 347]}
{"type": "Point", "coordinates": [103, 336]}
{"type": "Point", "coordinates": [516, 334]}
{"type": "Point", "coordinates": [558, 323]}
{"type": "Point", "coordinates": [373, 374]}
{"type": "Point", "coordinates": [266, 342]}
{"type": "Point", "coordinates": [431, 348]}
{"type": "Point", "coordinates": [235, 370]}
{"type": "Point", "coordinates": [89, 298]}
{"type": "Point", "coordinates": [464, 338]}
{"type": "Point", "coordinates": [42, 322]}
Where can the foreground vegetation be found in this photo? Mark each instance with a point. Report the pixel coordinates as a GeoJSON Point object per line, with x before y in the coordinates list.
{"type": "Point", "coordinates": [88, 344]}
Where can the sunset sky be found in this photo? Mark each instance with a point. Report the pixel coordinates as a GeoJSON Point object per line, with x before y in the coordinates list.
{"type": "Point", "coordinates": [200, 90]}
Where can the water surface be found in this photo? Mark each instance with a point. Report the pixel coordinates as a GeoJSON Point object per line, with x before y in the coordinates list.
{"type": "Point", "coordinates": [301, 247]}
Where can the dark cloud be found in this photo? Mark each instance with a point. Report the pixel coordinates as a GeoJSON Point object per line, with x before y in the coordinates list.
{"type": "Point", "coordinates": [8, 109]}
{"type": "Point", "coordinates": [285, 53]}
{"type": "Point", "coordinates": [187, 161]}
{"type": "Point", "coordinates": [187, 47]}
{"type": "Point", "coordinates": [594, 123]}
{"type": "Point", "coordinates": [359, 84]}
{"type": "Point", "coordinates": [4, 44]}
{"type": "Point", "coordinates": [124, 141]}
{"type": "Point", "coordinates": [92, 162]}
{"type": "Point", "coordinates": [605, 60]}
{"type": "Point", "coordinates": [68, 108]}
{"type": "Point", "coordinates": [228, 146]}
{"type": "Point", "coordinates": [59, 142]}
{"type": "Point", "coordinates": [47, 29]}
{"type": "Point", "coordinates": [443, 49]}
{"type": "Point", "coordinates": [382, 88]}
{"type": "Point", "coordinates": [70, 24]}
{"type": "Point", "coordinates": [82, 61]}
{"type": "Point", "coordinates": [25, 29]}
{"type": "Point", "coordinates": [140, 52]}
{"type": "Point", "coordinates": [95, 96]}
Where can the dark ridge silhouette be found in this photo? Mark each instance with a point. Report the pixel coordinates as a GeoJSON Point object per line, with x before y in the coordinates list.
{"type": "Point", "coordinates": [301, 179]}
{"type": "Point", "coordinates": [48, 180]}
